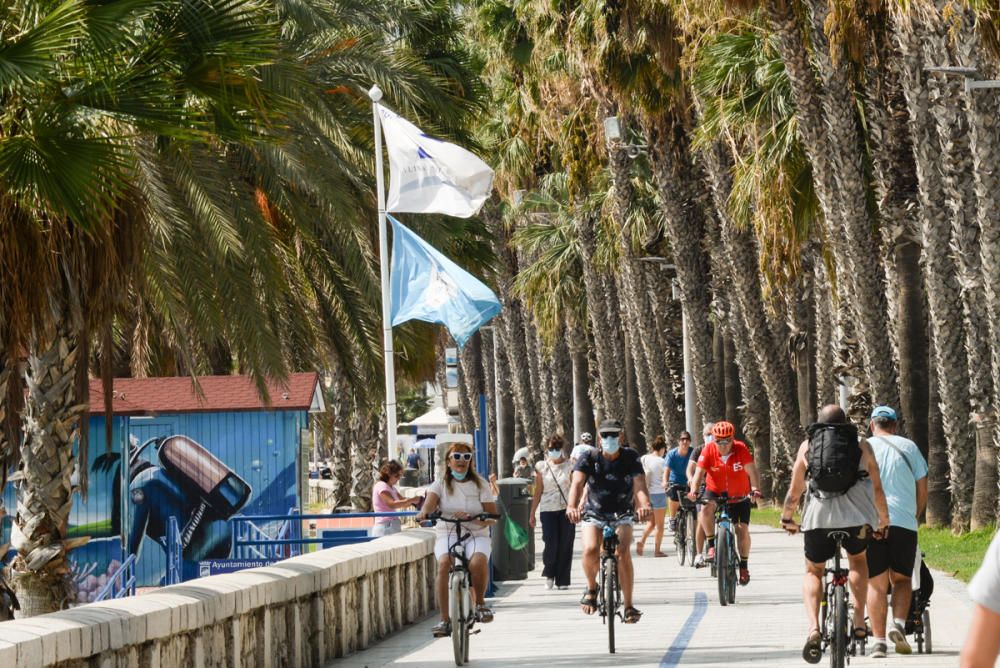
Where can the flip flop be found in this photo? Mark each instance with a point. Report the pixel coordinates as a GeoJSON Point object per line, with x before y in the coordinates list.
{"type": "Point", "coordinates": [660, 554]}
{"type": "Point", "coordinates": [631, 615]}
{"type": "Point", "coordinates": [813, 650]}
{"type": "Point", "coordinates": [589, 599]}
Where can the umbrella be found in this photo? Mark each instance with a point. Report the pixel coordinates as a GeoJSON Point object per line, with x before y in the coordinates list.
{"type": "Point", "coordinates": [429, 443]}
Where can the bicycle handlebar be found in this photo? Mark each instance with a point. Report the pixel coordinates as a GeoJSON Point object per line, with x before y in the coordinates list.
{"type": "Point", "coordinates": [481, 517]}
{"type": "Point", "coordinates": [607, 519]}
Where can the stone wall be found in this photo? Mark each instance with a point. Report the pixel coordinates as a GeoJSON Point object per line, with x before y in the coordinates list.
{"type": "Point", "coordinates": [299, 612]}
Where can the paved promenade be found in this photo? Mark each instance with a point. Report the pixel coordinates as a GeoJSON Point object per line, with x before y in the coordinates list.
{"type": "Point", "coordinates": [683, 623]}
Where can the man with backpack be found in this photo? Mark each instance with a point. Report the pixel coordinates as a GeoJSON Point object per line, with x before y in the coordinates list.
{"type": "Point", "coordinates": [903, 471]}
{"type": "Point", "coordinates": [845, 493]}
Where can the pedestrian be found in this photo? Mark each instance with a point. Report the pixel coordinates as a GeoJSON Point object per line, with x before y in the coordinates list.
{"type": "Point", "coordinates": [523, 469]}
{"type": "Point", "coordinates": [982, 645]}
{"type": "Point", "coordinates": [585, 445]}
{"type": "Point", "coordinates": [413, 460]}
{"type": "Point", "coordinates": [845, 493]}
{"type": "Point", "coordinates": [387, 499]}
{"type": "Point", "coordinates": [676, 481]}
{"type": "Point", "coordinates": [655, 466]}
{"type": "Point", "coordinates": [890, 560]}
{"type": "Point", "coordinates": [553, 476]}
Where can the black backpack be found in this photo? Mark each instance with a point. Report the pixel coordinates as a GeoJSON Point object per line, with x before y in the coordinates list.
{"type": "Point", "coordinates": [833, 458]}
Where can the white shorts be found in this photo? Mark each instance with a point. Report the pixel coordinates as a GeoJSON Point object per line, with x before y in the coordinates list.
{"type": "Point", "coordinates": [473, 544]}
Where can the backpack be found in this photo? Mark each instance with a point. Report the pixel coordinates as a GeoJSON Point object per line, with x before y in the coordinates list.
{"type": "Point", "coordinates": [833, 458]}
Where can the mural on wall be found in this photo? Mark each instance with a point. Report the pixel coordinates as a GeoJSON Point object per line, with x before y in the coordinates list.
{"type": "Point", "coordinates": [201, 468]}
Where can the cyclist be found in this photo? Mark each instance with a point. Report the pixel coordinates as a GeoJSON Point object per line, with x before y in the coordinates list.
{"type": "Point", "coordinates": [706, 438]}
{"type": "Point", "coordinates": [855, 511]}
{"type": "Point", "coordinates": [676, 477]}
{"type": "Point", "coordinates": [616, 482]}
{"type": "Point", "coordinates": [462, 494]}
{"type": "Point", "coordinates": [585, 445]}
{"type": "Point", "coordinates": [727, 466]}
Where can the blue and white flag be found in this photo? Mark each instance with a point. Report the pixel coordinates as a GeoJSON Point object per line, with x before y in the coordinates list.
{"type": "Point", "coordinates": [425, 285]}
{"type": "Point", "coordinates": [431, 176]}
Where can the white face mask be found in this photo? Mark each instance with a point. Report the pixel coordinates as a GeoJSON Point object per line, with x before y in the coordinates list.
{"type": "Point", "coordinates": [610, 444]}
{"type": "Point", "coordinates": [555, 454]}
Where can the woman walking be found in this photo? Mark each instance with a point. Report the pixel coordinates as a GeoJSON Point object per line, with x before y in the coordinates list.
{"type": "Point", "coordinates": [654, 464]}
{"type": "Point", "coordinates": [387, 499]}
{"type": "Point", "coordinates": [552, 480]}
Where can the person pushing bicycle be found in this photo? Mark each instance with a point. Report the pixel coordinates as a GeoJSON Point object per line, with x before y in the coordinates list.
{"type": "Point", "coordinates": [727, 466]}
{"type": "Point", "coordinates": [617, 482]}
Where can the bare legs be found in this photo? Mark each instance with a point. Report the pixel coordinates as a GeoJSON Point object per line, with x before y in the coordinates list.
{"type": "Point", "coordinates": [478, 567]}
{"type": "Point", "coordinates": [657, 524]}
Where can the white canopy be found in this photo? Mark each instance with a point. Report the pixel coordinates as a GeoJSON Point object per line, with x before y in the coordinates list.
{"type": "Point", "coordinates": [434, 421]}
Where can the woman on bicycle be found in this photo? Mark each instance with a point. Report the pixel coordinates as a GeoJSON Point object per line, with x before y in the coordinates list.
{"type": "Point", "coordinates": [655, 465]}
{"type": "Point", "coordinates": [387, 499]}
{"type": "Point", "coordinates": [461, 494]}
{"type": "Point", "coordinates": [553, 476]}
{"type": "Point", "coordinates": [676, 473]}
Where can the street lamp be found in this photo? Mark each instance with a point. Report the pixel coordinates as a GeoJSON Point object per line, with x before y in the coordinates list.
{"type": "Point", "coordinates": [971, 74]}
{"type": "Point", "coordinates": [613, 135]}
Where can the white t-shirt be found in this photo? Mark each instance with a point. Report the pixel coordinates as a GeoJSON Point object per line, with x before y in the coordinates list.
{"type": "Point", "coordinates": [464, 497]}
{"type": "Point", "coordinates": [555, 477]}
{"type": "Point", "coordinates": [985, 585]}
{"type": "Point", "coordinates": [654, 466]}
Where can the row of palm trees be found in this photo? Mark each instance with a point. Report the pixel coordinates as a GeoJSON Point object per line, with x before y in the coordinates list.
{"type": "Point", "coordinates": [185, 189]}
{"type": "Point", "coordinates": [818, 192]}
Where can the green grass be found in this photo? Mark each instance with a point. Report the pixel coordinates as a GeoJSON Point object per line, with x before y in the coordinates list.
{"type": "Point", "coordinates": [959, 556]}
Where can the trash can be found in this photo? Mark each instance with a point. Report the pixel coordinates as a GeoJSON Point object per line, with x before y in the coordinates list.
{"type": "Point", "coordinates": [508, 563]}
{"type": "Point", "coordinates": [410, 478]}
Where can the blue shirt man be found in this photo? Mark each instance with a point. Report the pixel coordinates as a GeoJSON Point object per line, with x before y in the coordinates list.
{"type": "Point", "coordinates": [677, 461]}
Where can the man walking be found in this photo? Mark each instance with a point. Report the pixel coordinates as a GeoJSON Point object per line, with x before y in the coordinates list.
{"type": "Point", "coordinates": [890, 560]}
{"type": "Point", "coordinates": [845, 493]}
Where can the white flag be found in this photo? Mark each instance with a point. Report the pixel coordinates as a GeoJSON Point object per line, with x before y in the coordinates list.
{"type": "Point", "coordinates": [431, 176]}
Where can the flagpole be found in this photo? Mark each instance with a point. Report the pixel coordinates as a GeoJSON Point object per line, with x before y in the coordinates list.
{"type": "Point", "coordinates": [383, 238]}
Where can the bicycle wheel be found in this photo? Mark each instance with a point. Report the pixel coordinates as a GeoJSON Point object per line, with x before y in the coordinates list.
{"type": "Point", "coordinates": [722, 558]}
{"type": "Point", "coordinates": [458, 613]}
{"type": "Point", "coordinates": [691, 531]}
{"type": "Point", "coordinates": [838, 630]}
{"type": "Point", "coordinates": [734, 562]}
{"type": "Point", "coordinates": [610, 586]}
{"type": "Point", "coordinates": [679, 538]}
{"type": "Point", "coordinates": [926, 617]}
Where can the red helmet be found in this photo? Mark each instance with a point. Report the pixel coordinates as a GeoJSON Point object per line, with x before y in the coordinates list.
{"type": "Point", "coordinates": [723, 430]}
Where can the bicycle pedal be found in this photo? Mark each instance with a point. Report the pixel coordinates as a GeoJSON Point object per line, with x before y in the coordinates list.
{"type": "Point", "coordinates": [473, 632]}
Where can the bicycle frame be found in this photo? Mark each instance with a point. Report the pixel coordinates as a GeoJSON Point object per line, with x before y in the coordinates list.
{"type": "Point", "coordinates": [833, 616]}
{"type": "Point", "coordinates": [609, 603]}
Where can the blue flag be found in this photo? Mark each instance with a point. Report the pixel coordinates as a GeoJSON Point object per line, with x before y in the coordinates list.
{"type": "Point", "coordinates": [425, 285]}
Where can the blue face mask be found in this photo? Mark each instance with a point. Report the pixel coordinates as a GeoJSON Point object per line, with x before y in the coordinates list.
{"type": "Point", "coordinates": [459, 475]}
{"type": "Point", "coordinates": [555, 454]}
{"type": "Point", "coordinates": [610, 444]}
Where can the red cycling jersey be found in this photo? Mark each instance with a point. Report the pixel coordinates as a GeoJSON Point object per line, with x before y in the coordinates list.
{"type": "Point", "coordinates": [727, 476]}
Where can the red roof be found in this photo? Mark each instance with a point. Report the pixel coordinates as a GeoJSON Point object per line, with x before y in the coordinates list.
{"type": "Point", "coordinates": [143, 396]}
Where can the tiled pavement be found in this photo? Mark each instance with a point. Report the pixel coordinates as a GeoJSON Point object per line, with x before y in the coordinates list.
{"type": "Point", "coordinates": [683, 623]}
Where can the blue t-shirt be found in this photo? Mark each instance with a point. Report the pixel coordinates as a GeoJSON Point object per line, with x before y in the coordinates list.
{"type": "Point", "coordinates": [899, 474]}
{"type": "Point", "coordinates": [677, 463]}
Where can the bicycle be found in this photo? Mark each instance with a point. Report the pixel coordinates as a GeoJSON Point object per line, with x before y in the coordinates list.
{"type": "Point", "coordinates": [727, 559]}
{"type": "Point", "coordinates": [460, 607]}
{"type": "Point", "coordinates": [609, 591]}
{"type": "Point", "coordinates": [685, 528]}
{"type": "Point", "coordinates": [834, 616]}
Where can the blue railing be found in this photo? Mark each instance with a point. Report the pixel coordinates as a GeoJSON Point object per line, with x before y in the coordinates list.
{"type": "Point", "coordinates": [175, 551]}
{"type": "Point", "coordinates": [246, 539]}
{"type": "Point", "coordinates": [121, 584]}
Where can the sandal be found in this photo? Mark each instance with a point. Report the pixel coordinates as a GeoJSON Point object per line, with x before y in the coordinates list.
{"type": "Point", "coordinates": [813, 650]}
{"type": "Point", "coordinates": [442, 629]}
{"type": "Point", "coordinates": [589, 600]}
{"type": "Point", "coordinates": [631, 615]}
{"type": "Point", "coordinates": [484, 614]}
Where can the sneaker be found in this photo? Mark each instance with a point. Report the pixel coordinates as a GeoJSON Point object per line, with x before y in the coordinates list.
{"type": "Point", "coordinates": [673, 525]}
{"type": "Point", "coordinates": [898, 637]}
{"type": "Point", "coordinates": [550, 583]}
{"type": "Point", "coordinates": [699, 561]}
{"type": "Point", "coordinates": [484, 614]}
{"type": "Point", "coordinates": [443, 630]}
{"type": "Point", "coordinates": [562, 587]}
{"type": "Point", "coordinates": [711, 554]}
{"type": "Point", "coordinates": [744, 576]}
{"type": "Point", "coordinates": [878, 650]}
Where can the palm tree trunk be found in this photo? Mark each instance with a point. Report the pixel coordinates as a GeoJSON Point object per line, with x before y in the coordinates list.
{"type": "Point", "coordinates": [734, 398]}
{"type": "Point", "coordinates": [802, 336]}
{"type": "Point", "coordinates": [340, 434]}
{"type": "Point", "coordinates": [367, 431]}
{"type": "Point", "coordinates": [51, 422]}
{"type": "Point", "coordinates": [561, 371]}
{"type": "Point", "coordinates": [609, 345]}
{"type": "Point", "coordinates": [470, 382]}
{"type": "Point", "coordinates": [505, 411]}
{"type": "Point", "coordinates": [632, 422]}
{"type": "Point", "coordinates": [683, 198]}
{"type": "Point", "coordinates": [826, 376]}
{"type": "Point", "coordinates": [938, 470]}
{"type": "Point", "coordinates": [944, 293]}
{"type": "Point", "coordinates": [655, 340]}
{"type": "Point", "coordinates": [583, 408]}
{"type": "Point", "coordinates": [9, 450]}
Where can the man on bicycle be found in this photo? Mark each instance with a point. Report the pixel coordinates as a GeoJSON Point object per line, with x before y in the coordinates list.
{"type": "Point", "coordinates": [853, 511]}
{"type": "Point", "coordinates": [727, 467]}
{"type": "Point", "coordinates": [616, 481]}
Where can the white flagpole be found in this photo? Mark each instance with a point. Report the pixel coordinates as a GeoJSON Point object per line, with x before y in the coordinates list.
{"type": "Point", "coordinates": [390, 372]}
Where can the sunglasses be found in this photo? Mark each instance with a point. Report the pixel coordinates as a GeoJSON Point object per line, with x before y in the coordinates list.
{"type": "Point", "coordinates": [685, 438]}
{"type": "Point", "coordinates": [723, 441]}
{"type": "Point", "coordinates": [609, 434]}
{"type": "Point", "coordinates": [461, 456]}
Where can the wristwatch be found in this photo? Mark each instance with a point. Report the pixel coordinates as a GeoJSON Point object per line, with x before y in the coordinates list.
{"type": "Point", "coordinates": [787, 520]}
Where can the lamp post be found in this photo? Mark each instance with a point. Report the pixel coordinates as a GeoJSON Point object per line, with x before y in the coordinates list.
{"type": "Point", "coordinates": [614, 137]}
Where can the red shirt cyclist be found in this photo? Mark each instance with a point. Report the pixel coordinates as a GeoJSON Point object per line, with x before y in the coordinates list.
{"type": "Point", "coordinates": [727, 466]}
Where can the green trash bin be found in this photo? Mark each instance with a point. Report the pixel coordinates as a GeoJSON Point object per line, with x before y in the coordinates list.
{"type": "Point", "coordinates": [512, 562]}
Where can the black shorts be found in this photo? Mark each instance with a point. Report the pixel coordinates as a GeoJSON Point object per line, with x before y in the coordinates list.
{"type": "Point", "coordinates": [738, 512]}
{"type": "Point", "coordinates": [820, 546]}
{"type": "Point", "coordinates": [897, 551]}
{"type": "Point", "coordinates": [675, 492]}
